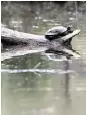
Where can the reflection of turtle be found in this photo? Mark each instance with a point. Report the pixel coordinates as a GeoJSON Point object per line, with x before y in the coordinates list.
{"type": "Point", "coordinates": [57, 32]}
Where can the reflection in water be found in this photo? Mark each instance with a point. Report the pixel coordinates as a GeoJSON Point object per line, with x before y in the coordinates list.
{"type": "Point", "coordinates": [67, 87]}
{"type": "Point", "coordinates": [66, 77]}
{"type": "Point", "coordinates": [51, 92]}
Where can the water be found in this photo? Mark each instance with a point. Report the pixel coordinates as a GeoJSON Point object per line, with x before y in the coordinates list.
{"type": "Point", "coordinates": [31, 83]}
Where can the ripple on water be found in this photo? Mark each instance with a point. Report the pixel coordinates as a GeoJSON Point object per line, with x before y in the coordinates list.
{"type": "Point", "coordinates": [37, 70]}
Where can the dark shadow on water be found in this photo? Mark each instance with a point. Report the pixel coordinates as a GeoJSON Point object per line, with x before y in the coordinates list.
{"type": "Point", "coordinates": [65, 79]}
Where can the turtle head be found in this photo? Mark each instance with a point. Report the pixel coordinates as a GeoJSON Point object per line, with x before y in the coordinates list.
{"type": "Point", "coordinates": [69, 29]}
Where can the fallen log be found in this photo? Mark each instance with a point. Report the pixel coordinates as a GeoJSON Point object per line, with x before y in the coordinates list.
{"type": "Point", "coordinates": [9, 36]}
{"type": "Point", "coordinates": [76, 32]}
{"type": "Point", "coordinates": [12, 36]}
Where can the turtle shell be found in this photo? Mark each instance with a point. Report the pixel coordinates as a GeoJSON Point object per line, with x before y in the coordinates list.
{"type": "Point", "coordinates": [56, 32]}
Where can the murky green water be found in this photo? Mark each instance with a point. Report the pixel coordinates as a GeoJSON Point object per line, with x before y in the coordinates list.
{"type": "Point", "coordinates": [31, 83]}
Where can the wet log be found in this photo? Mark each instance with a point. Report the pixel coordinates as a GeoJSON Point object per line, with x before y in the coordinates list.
{"type": "Point", "coordinates": [12, 36]}
{"type": "Point", "coordinates": [9, 36]}
{"type": "Point", "coordinates": [74, 33]}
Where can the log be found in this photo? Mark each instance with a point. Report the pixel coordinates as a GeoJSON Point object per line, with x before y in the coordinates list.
{"type": "Point", "coordinates": [13, 36]}
{"type": "Point", "coordinates": [74, 33]}
{"type": "Point", "coordinates": [69, 36]}
{"type": "Point", "coordinates": [9, 36]}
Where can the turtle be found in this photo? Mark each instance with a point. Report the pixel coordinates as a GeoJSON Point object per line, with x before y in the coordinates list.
{"type": "Point", "coordinates": [57, 32]}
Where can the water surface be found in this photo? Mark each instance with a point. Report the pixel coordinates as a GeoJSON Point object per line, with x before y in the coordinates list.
{"type": "Point", "coordinates": [31, 83]}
